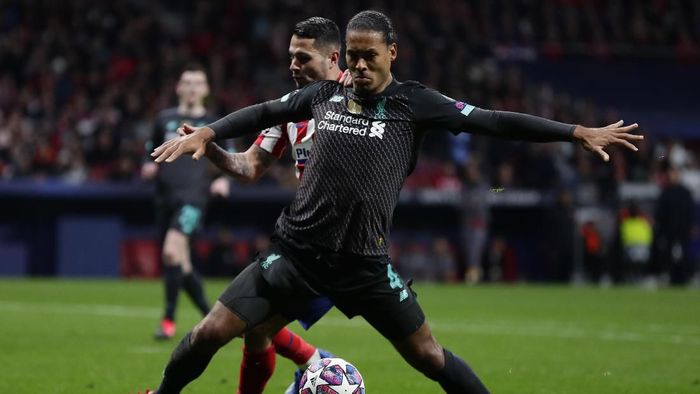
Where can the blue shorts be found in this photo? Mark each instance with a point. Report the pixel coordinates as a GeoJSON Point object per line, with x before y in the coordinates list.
{"type": "Point", "coordinates": [310, 312]}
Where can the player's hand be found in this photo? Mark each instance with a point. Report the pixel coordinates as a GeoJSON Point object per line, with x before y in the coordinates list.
{"type": "Point", "coordinates": [195, 142]}
{"type": "Point", "coordinates": [186, 129]}
{"type": "Point", "coordinates": [595, 139]}
{"type": "Point", "coordinates": [221, 187]}
{"type": "Point", "coordinates": [149, 171]}
{"type": "Point", "coordinates": [211, 146]}
{"type": "Point", "coordinates": [346, 79]}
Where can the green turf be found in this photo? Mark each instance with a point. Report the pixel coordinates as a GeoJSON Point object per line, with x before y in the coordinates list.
{"type": "Point", "coordinates": [59, 336]}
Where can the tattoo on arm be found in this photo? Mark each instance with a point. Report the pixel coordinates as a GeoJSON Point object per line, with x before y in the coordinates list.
{"type": "Point", "coordinates": [245, 167]}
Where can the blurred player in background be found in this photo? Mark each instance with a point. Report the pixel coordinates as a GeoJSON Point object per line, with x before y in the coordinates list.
{"type": "Point", "coordinates": [314, 52]}
{"type": "Point", "coordinates": [182, 193]}
{"type": "Point", "coordinates": [673, 226]}
{"type": "Point", "coordinates": [332, 239]}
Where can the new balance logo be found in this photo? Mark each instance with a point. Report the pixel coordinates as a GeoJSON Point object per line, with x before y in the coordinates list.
{"type": "Point", "coordinates": [269, 260]}
{"type": "Point", "coordinates": [377, 129]}
{"type": "Point", "coordinates": [403, 295]}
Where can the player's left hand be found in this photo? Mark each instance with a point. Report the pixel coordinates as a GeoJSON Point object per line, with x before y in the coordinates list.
{"type": "Point", "coordinates": [595, 139]}
{"type": "Point", "coordinates": [221, 187]}
{"type": "Point", "coordinates": [195, 142]}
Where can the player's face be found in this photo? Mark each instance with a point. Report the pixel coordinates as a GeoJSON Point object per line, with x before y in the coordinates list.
{"type": "Point", "coordinates": [192, 87]}
{"type": "Point", "coordinates": [369, 60]}
{"type": "Point", "coordinates": [306, 62]}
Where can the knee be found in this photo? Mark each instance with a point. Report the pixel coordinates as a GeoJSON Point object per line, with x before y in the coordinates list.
{"type": "Point", "coordinates": [210, 334]}
{"type": "Point", "coordinates": [428, 357]}
{"type": "Point", "coordinates": [170, 255]}
{"type": "Point", "coordinates": [256, 341]}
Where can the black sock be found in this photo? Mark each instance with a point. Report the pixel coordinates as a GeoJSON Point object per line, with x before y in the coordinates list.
{"type": "Point", "coordinates": [173, 281]}
{"type": "Point", "coordinates": [458, 378]}
{"type": "Point", "coordinates": [185, 365]}
{"type": "Point", "coordinates": [192, 283]}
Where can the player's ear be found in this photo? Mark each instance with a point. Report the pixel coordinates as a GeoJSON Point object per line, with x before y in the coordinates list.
{"type": "Point", "coordinates": [393, 51]}
{"type": "Point", "coordinates": [334, 57]}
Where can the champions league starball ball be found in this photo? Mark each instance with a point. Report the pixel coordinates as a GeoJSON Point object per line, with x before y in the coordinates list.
{"type": "Point", "coordinates": [331, 376]}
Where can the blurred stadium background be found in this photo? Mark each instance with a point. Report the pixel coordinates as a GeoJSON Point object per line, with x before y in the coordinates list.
{"type": "Point", "coordinates": [81, 82]}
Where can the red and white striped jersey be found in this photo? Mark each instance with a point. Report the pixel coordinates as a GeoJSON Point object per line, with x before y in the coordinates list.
{"type": "Point", "coordinates": [300, 135]}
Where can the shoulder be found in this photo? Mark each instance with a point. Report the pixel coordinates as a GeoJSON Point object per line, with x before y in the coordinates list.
{"type": "Point", "coordinates": [407, 87]}
{"type": "Point", "coordinates": [418, 94]}
{"type": "Point", "coordinates": [323, 90]}
{"type": "Point", "coordinates": [415, 87]}
{"type": "Point", "coordinates": [413, 91]}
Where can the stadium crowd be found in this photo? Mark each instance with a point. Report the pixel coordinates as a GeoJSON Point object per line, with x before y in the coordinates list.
{"type": "Point", "coordinates": [81, 81]}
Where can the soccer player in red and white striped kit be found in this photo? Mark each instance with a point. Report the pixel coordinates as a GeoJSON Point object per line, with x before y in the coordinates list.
{"type": "Point", "coordinates": [314, 52]}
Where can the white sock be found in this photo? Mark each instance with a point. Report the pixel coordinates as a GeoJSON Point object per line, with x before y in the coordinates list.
{"type": "Point", "coordinates": [314, 357]}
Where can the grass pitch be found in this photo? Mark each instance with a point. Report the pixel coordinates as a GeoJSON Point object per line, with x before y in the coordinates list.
{"type": "Point", "coordinates": [60, 336]}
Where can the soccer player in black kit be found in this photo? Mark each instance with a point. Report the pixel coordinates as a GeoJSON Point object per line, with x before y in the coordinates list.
{"type": "Point", "coordinates": [182, 192]}
{"type": "Point", "coordinates": [332, 239]}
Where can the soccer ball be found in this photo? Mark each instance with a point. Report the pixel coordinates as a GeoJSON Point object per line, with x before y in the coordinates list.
{"type": "Point", "coordinates": [331, 376]}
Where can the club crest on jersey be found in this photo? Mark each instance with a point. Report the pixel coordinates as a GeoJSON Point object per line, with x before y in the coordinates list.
{"type": "Point", "coordinates": [354, 107]}
{"type": "Point", "coordinates": [336, 99]}
{"type": "Point", "coordinates": [381, 113]}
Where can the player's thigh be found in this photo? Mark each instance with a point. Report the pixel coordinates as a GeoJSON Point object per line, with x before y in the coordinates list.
{"type": "Point", "coordinates": [384, 299]}
{"type": "Point", "coordinates": [269, 286]}
{"type": "Point", "coordinates": [176, 248]}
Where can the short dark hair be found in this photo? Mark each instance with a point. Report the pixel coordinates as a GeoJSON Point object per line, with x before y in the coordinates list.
{"type": "Point", "coordinates": [194, 66]}
{"type": "Point", "coordinates": [324, 31]}
{"type": "Point", "coordinates": [374, 21]}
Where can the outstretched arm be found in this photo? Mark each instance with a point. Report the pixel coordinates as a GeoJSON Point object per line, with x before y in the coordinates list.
{"type": "Point", "coordinates": [249, 166]}
{"type": "Point", "coordinates": [246, 167]}
{"type": "Point", "coordinates": [526, 127]}
{"type": "Point", "coordinates": [293, 107]}
{"type": "Point", "coordinates": [433, 109]}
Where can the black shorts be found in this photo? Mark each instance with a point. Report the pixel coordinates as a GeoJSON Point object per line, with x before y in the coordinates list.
{"type": "Point", "coordinates": [184, 217]}
{"type": "Point", "coordinates": [292, 275]}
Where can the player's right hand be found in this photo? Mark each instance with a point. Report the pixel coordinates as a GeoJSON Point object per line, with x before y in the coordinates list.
{"type": "Point", "coordinates": [194, 143]}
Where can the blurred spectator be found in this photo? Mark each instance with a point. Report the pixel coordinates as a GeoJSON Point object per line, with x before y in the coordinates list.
{"type": "Point", "coordinates": [673, 223]}
{"type": "Point", "coordinates": [442, 261]}
{"type": "Point", "coordinates": [635, 241]}
{"type": "Point", "coordinates": [593, 259]}
{"type": "Point", "coordinates": [475, 219]}
{"type": "Point", "coordinates": [500, 263]}
{"type": "Point", "coordinates": [559, 243]}
{"type": "Point", "coordinates": [414, 262]}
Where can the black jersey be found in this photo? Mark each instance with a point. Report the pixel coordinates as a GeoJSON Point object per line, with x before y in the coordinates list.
{"type": "Point", "coordinates": [365, 147]}
{"type": "Point", "coordinates": [184, 180]}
